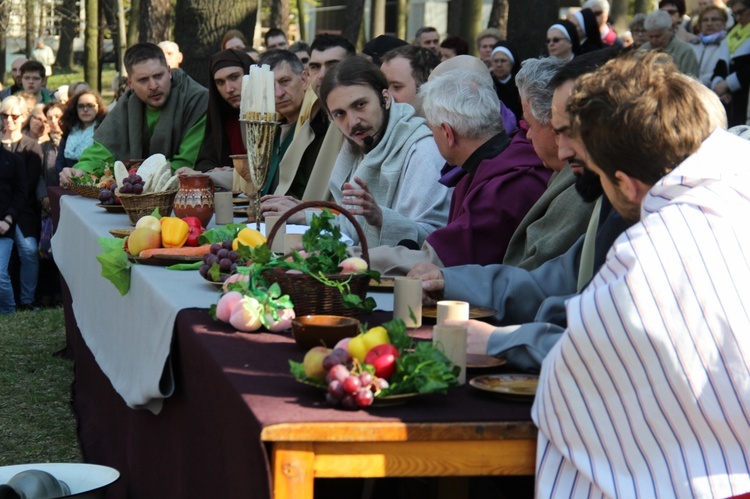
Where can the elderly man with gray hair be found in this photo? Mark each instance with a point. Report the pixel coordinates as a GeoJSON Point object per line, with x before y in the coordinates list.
{"type": "Point", "coordinates": [499, 178]}
{"type": "Point", "coordinates": [661, 37]}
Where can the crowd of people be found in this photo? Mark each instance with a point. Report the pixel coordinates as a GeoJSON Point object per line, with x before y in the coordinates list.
{"type": "Point", "coordinates": [592, 196]}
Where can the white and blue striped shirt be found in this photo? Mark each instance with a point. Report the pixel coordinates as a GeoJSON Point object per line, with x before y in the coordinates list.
{"type": "Point", "coordinates": [648, 392]}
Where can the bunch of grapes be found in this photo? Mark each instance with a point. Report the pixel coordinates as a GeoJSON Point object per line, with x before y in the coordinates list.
{"type": "Point", "coordinates": [222, 255]}
{"type": "Point", "coordinates": [347, 387]}
{"type": "Point", "coordinates": [107, 195]}
{"type": "Point", "coordinates": [133, 184]}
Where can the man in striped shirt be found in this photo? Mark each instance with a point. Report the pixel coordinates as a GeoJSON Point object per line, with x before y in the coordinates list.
{"type": "Point", "coordinates": [647, 392]}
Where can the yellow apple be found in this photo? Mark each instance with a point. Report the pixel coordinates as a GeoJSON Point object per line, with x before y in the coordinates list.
{"type": "Point", "coordinates": [150, 222]}
{"type": "Point", "coordinates": [142, 239]}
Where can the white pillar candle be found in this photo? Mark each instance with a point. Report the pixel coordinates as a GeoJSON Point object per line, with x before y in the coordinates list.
{"type": "Point", "coordinates": [452, 310]}
{"type": "Point", "coordinates": [451, 340]}
{"type": "Point", "coordinates": [407, 300]}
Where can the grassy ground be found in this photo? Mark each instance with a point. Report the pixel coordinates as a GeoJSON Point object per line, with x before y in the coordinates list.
{"type": "Point", "coordinates": [36, 424]}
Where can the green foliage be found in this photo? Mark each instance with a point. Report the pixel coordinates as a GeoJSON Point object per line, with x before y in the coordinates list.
{"type": "Point", "coordinates": [220, 234]}
{"type": "Point", "coordinates": [115, 263]}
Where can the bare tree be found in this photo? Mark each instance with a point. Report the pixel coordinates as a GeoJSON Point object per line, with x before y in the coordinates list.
{"type": "Point", "coordinates": [455, 8]}
{"type": "Point", "coordinates": [353, 20]}
{"type": "Point", "coordinates": [154, 21]}
{"type": "Point", "coordinates": [377, 24]}
{"type": "Point", "coordinates": [529, 31]}
{"type": "Point", "coordinates": [31, 7]}
{"type": "Point", "coordinates": [499, 16]}
{"type": "Point", "coordinates": [91, 67]}
{"type": "Point", "coordinates": [4, 22]}
{"type": "Point", "coordinates": [200, 24]}
{"type": "Point", "coordinates": [618, 12]}
{"type": "Point", "coordinates": [301, 16]}
{"type": "Point", "coordinates": [472, 19]}
{"type": "Point", "coordinates": [280, 15]}
{"type": "Point", "coordinates": [642, 6]}
{"type": "Point", "coordinates": [403, 19]}
{"type": "Point", "coordinates": [135, 9]}
{"type": "Point", "coordinates": [69, 22]}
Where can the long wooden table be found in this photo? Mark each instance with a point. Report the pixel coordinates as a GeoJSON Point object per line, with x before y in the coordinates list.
{"type": "Point", "coordinates": [239, 425]}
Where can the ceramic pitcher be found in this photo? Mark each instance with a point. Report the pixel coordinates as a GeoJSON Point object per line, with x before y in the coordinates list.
{"type": "Point", "coordinates": [195, 198]}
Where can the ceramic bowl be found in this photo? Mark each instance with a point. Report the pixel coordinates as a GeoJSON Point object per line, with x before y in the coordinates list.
{"type": "Point", "coordinates": [323, 330]}
{"type": "Point", "coordinates": [86, 481]}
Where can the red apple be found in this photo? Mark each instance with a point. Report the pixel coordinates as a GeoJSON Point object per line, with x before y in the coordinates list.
{"type": "Point", "coordinates": [383, 359]}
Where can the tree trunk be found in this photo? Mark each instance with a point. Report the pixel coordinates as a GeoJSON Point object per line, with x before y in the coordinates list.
{"type": "Point", "coordinates": [472, 21]}
{"type": "Point", "coordinates": [69, 21]}
{"type": "Point", "coordinates": [280, 15]}
{"type": "Point", "coordinates": [618, 14]}
{"type": "Point", "coordinates": [377, 26]}
{"type": "Point", "coordinates": [155, 19]}
{"type": "Point", "coordinates": [499, 16]}
{"type": "Point", "coordinates": [4, 21]}
{"type": "Point", "coordinates": [355, 9]}
{"type": "Point", "coordinates": [30, 26]}
{"type": "Point", "coordinates": [455, 10]}
{"type": "Point", "coordinates": [642, 6]}
{"type": "Point", "coordinates": [403, 19]}
{"type": "Point", "coordinates": [301, 18]}
{"type": "Point", "coordinates": [135, 9]}
{"type": "Point", "coordinates": [91, 66]}
{"type": "Point", "coordinates": [202, 24]}
{"type": "Point", "coordinates": [121, 40]}
{"type": "Point", "coordinates": [530, 31]}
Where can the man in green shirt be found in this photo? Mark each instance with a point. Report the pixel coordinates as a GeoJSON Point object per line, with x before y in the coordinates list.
{"type": "Point", "coordinates": [163, 111]}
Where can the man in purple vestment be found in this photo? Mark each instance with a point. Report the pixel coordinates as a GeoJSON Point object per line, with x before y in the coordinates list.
{"type": "Point", "coordinates": [499, 180]}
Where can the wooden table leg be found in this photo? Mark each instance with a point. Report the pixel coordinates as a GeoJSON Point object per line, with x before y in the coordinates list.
{"type": "Point", "coordinates": [293, 470]}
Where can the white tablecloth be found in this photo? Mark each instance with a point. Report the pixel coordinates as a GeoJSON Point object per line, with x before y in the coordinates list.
{"type": "Point", "coordinates": [129, 335]}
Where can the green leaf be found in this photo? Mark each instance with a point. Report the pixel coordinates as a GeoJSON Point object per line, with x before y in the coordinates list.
{"type": "Point", "coordinates": [185, 266]}
{"type": "Point", "coordinates": [220, 234]}
{"type": "Point", "coordinates": [115, 263]}
{"type": "Point", "coordinates": [156, 213]}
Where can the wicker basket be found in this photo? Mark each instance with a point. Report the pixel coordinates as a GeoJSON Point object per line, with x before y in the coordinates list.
{"type": "Point", "coordinates": [87, 191]}
{"type": "Point", "coordinates": [310, 296]}
{"type": "Point", "coordinates": [139, 205]}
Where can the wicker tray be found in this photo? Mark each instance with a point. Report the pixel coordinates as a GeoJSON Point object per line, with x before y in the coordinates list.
{"type": "Point", "coordinates": [310, 296]}
{"type": "Point", "coordinates": [87, 191]}
{"type": "Point", "coordinates": [139, 205]}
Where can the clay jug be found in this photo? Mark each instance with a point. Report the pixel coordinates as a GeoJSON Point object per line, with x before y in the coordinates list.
{"type": "Point", "coordinates": [195, 198]}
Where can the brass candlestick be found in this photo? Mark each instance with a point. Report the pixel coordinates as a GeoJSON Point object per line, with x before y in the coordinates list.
{"type": "Point", "coordinates": [260, 134]}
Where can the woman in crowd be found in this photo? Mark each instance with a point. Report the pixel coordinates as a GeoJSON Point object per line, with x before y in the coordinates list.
{"type": "Point", "coordinates": [26, 230]}
{"type": "Point", "coordinates": [234, 39]}
{"type": "Point", "coordinates": [638, 30]}
{"type": "Point", "coordinates": [84, 112]}
{"type": "Point", "coordinates": [562, 40]}
{"type": "Point", "coordinates": [504, 68]}
{"type": "Point", "coordinates": [12, 198]}
{"type": "Point", "coordinates": [676, 10]}
{"type": "Point", "coordinates": [710, 46]}
{"type": "Point", "coordinates": [588, 30]}
{"type": "Point", "coordinates": [36, 126]}
{"type": "Point", "coordinates": [53, 112]}
{"type": "Point", "coordinates": [732, 80]}
{"type": "Point", "coordinates": [453, 46]}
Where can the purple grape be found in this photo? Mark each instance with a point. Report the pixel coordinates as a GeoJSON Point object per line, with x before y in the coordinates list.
{"type": "Point", "coordinates": [329, 361]}
{"type": "Point", "coordinates": [206, 257]}
{"type": "Point", "coordinates": [137, 188]}
{"type": "Point", "coordinates": [225, 264]}
{"type": "Point", "coordinates": [105, 195]}
{"type": "Point", "coordinates": [203, 271]}
{"type": "Point", "coordinates": [338, 372]}
{"type": "Point", "coordinates": [222, 253]}
{"type": "Point", "coordinates": [215, 247]}
{"type": "Point", "coordinates": [227, 245]}
{"type": "Point", "coordinates": [366, 379]}
{"type": "Point", "coordinates": [224, 277]}
{"type": "Point", "coordinates": [126, 188]}
{"type": "Point", "coordinates": [232, 255]}
{"type": "Point", "coordinates": [233, 268]}
{"type": "Point", "coordinates": [364, 398]}
{"type": "Point", "coordinates": [352, 384]}
{"type": "Point", "coordinates": [332, 400]}
{"type": "Point", "coordinates": [349, 403]}
{"type": "Point", "coordinates": [336, 389]}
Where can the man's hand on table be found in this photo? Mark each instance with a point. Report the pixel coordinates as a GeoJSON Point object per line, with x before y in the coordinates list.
{"type": "Point", "coordinates": [275, 206]}
{"type": "Point", "coordinates": [433, 282]}
{"type": "Point", "coordinates": [67, 174]}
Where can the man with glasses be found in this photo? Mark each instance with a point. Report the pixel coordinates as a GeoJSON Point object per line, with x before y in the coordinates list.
{"type": "Point", "coordinates": [33, 79]}
{"type": "Point", "coordinates": [676, 10]}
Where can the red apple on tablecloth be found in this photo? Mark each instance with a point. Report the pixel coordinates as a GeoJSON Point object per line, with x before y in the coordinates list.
{"type": "Point", "coordinates": [383, 359]}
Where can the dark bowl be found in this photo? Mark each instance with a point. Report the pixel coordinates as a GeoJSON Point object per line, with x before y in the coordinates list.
{"type": "Point", "coordinates": [323, 330]}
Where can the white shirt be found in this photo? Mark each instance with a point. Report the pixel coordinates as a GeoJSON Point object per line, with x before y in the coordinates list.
{"type": "Point", "coordinates": [648, 392]}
